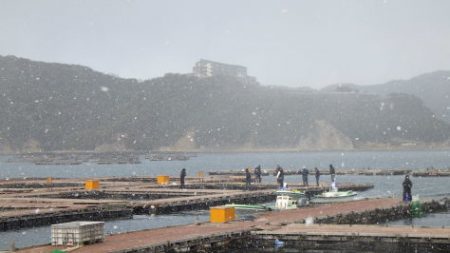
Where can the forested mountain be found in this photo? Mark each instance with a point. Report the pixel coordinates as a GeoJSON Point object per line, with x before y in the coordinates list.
{"type": "Point", "coordinates": [432, 88]}
{"type": "Point", "coordinates": [47, 106]}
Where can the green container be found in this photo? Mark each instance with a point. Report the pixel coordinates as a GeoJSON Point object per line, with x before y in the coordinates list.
{"type": "Point", "coordinates": [416, 209]}
{"type": "Point", "coordinates": [58, 251]}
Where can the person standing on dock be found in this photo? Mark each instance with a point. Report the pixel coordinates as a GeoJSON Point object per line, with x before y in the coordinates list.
{"type": "Point", "coordinates": [317, 173]}
{"type": "Point", "coordinates": [182, 176]}
{"type": "Point", "coordinates": [248, 179]}
{"type": "Point", "coordinates": [332, 173]}
{"type": "Point", "coordinates": [280, 176]}
{"type": "Point", "coordinates": [407, 185]}
{"type": "Point", "coordinates": [305, 173]}
{"type": "Point", "coordinates": [258, 174]}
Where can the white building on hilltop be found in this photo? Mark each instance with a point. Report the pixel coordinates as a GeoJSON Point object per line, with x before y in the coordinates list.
{"type": "Point", "coordinates": [205, 68]}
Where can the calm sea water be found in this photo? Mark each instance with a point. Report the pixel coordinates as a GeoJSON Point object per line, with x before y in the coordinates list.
{"type": "Point", "coordinates": [384, 185]}
{"type": "Point", "coordinates": [215, 162]}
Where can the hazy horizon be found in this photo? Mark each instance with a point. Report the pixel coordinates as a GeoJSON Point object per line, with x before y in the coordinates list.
{"type": "Point", "coordinates": [264, 84]}
{"type": "Point", "coordinates": [289, 43]}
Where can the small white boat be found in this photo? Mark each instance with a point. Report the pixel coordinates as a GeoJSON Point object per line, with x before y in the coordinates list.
{"type": "Point", "coordinates": [286, 199]}
{"type": "Point", "coordinates": [334, 196]}
{"type": "Point", "coordinates": [289, 199]}
{"type": "Point", "coordinates": [337, 194]}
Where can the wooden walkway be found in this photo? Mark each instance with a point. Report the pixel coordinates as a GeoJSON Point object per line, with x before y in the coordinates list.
{"type": "Point", "coordinates": [355, 238]}
{"type": "Point", "coordinates": [295, 231]}
{"type": "Point", "coordinates": [157, 240]}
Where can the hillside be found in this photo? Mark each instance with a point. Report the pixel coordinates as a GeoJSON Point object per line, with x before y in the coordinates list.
{"type": "Point", "coordinates": [47, 106]}
{"type": "Point", "coordinates": [432, 88]}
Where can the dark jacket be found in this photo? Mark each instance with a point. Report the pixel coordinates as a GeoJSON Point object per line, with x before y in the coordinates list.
{"type": "Point", "coordinates": [332, 171]}
{"type": "Point", "coordinates": [258, 171]}
{"type": "Point", "coordinates": [183, 173]}
{"type": "Point", "coordinates": [281, 175]}
{"type": "Point", "coordinates": [407, 185]}
{"type": "Point", "coordinates": [305, 172]}
{"type": "Point", "coordinates": [247, 174]}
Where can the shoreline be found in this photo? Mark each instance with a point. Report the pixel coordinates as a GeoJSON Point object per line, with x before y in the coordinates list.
{"type": "Point", "coordinates": [228, 151]}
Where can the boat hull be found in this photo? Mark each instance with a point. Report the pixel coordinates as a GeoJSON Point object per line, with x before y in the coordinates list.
{"type": "Point", "coordinates": [343, 194]}
{"type": "Point", "coordinates": [249, 207]}
{"type": "Point", "coordinates": [327, 197]}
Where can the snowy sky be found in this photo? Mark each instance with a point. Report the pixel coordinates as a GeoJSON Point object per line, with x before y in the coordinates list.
{"type": "Point", "coordinates": [296, 43]}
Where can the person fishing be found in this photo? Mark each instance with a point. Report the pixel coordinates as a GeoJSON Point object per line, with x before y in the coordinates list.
{"type": "Point", "coordinates": [280, 176]}
{"type": "Point", "coordinates": [182, 177]}
{"type": "Point", "coordinates": [407, 185]}
{"type": "Point", "coordinates": [332, 173]}
{"type": "Point", "coordinates": [305, 173]}
{"type": "Point", "coordinates": [248, 179]}
{"type": "Point", "coordinates": [258, 174]}
{"type": "Point", "coordinates": [317, 174]}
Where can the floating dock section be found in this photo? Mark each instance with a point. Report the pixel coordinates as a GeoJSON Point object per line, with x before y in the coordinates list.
{"type": "Point", "coordinates": [40, 219]}
{"type": "Point", "coordinates": [356, 238]}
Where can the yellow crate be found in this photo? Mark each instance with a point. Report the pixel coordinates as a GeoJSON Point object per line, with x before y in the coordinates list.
{"type": "Point", "coordinates": [162, 180]}
{"type": "Point", "coordinates": [49, 180]}
{"type": "Point", "coordinates": [91, 185]}
{"type": "Point", "coordinates": [221, 214]}
{"type": "Point", "coordinates": [200, 174]}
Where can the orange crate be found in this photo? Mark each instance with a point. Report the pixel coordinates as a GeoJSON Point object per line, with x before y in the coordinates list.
{"type": "Point", "coordinates": [91, 185]}
{"type": "Point", "coordinates": [162, 180]}
{"type": "Point", "coordinates": [221, 214]}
